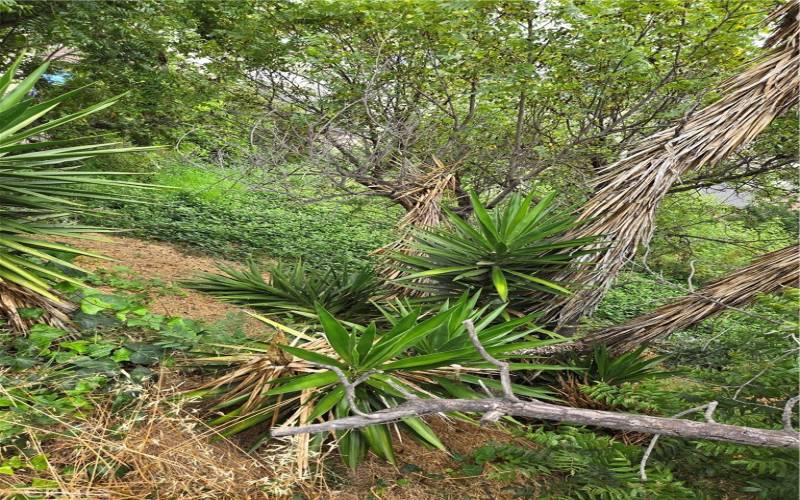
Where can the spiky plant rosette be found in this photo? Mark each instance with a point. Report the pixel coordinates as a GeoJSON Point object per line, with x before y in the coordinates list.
{"type": "Point", "coordinates": [40, 184]}
{"type": "Point", "coordinates": [509, 253]}
{"type": "Point", "coordinates": [294, 289]}
{"type": "Point", "coordinates": [425, 355]}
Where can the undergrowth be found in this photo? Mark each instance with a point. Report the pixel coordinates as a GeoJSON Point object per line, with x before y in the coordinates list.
{"type": "Point", "coordinates": [207, 212]}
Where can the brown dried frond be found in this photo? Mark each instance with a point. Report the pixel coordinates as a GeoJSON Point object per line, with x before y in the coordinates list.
{"type": "Point", "coordinates": [424, 194]}
{"type": "Point", "coordinates": [768, 274]}
{"type": "Point", "coordinates": [14, 297]}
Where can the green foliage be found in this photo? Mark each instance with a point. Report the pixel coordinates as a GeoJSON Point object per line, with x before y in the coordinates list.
{"type": "Point", "coordinates": [597, 63]}
{"type": "Point", "coordinates": [207, 184]}
{"type": "Point", "coordinates": [627, 367]}
{"type": "Point", "coordinates": [122, 278]}
{"type": "Point", "coordinates": [53, 376]}
{"type": "Point", "coordinates": [211, 213]}
{"type": "Point", "coordinates": [507, 253]}
{"type": "Point", "coordinates": [147, 48]}
{"type": "Point", "coordinates": [415, 355]}
{"type": "Point", "coordinates": [294, 289]}
{"type": "Point", "coordinates": [714, 237]}
{"type": "Point", "coordinates": [40, 184]}
{"type": "Point", "coordinates": [573, 463]}
{"type": "Point", "coordinates": [633, 294]}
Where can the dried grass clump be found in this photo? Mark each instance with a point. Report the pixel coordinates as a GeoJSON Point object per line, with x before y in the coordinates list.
{"type": "Point", "coordinates": [158, 451]}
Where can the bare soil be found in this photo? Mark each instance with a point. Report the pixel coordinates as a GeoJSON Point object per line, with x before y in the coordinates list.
{"type": "Point", "coordinates": [170, 264]}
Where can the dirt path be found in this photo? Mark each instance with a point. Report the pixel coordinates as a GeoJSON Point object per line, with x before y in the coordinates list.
{"type": "Point", "coordinates": [155, 260]}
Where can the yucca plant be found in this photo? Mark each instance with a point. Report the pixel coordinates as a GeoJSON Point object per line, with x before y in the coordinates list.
{"type": "Point", "coordinates": [40, 183]}
{"type": "Point", "coordinates": [294, 289]}
{"type": "Point", "coordinates": [425, 355]}
{"type": "Point", "coordinates": [631, 366]}
{"type": "Point", "coordinates": [509, 253]}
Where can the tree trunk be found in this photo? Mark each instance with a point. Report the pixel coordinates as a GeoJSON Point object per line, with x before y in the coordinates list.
{"type": "Point", "coordinates": [771, 273]}
{"type": "Point", "coordinates": [623, 209]}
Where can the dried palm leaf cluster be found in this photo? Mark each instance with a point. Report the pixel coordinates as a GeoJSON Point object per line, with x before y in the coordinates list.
{"type": "Point", "coordinates": [424, 195]}
{"type": "Point", "coordinates": [15, 298]}
{"type": "Point", "coordinates": [624, 207]}
{"type": "Point", "coordinates": [769, 274]}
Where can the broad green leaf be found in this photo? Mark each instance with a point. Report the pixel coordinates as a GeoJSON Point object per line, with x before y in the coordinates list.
{"type": "Point", "coordinates": [422, 430]}
{"type": "Point", "coordinates": [500, 283]}
{"type": "Point", "coordinates": [301, 382]}
{"type": "Point", "coordinates": [380, 441]}
{"type": "Point", "coordinates": [312, 356]}
{"type": "Point", "coordinates": [337, 336]}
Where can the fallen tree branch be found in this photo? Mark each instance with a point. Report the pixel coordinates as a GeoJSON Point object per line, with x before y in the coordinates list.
{"type": "Point", "coordinates": [509, 404]}
{"type": "Point", "coordinates": [674, 427]}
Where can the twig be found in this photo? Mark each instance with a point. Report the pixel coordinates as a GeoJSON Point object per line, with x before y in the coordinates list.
{"type": "Point", "coordinates": [494, 408]}
{"type": "Point", "coordinates": [505, 376]}
{"type": "Point", "coordinates": [350, 387]}
{"type": "Point", "coordinates": [709, 410]}
{"type": "Point", "coordinates": [787, 413]}
{"type": "Point", "coordinates": [689, 284]}
{"type": "Point", "coordinates": [762, 372]}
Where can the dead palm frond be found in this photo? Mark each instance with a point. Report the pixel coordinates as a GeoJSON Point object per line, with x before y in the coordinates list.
{"type": "Point", "coordinates": [424, 195]}
{"type": "Point", "coordinates": [769, 274]}
{"type": "Point", "coordinates": [623, 209]}
{"type": "Point", "coordinates": [15, 298]}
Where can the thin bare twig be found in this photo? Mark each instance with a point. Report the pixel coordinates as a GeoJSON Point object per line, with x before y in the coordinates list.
{"type": "Point", "coordinates": [709, 410]}
{"type": "Point", "coordinates": [505, 375]}
{"type": "Point", "coordinates": [350, 387]}
{"type": "Point", "coordinates": [787, 413]}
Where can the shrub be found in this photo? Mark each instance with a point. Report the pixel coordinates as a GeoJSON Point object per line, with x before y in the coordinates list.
{"type": "Point", "coordinates": [294, 289]}
{"type": "Point", "coordinates": [39, 184]}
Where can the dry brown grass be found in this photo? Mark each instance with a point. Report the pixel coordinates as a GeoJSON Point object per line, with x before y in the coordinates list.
{"type": "Point", "coordinates": [164, 452]}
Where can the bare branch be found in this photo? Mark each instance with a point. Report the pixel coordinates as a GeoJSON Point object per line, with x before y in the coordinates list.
{"type": "Point", "coordinates": [674, 427]}
{"type": "Point", "coordinates": [505, 376]}
{"type": "Point", "coordinates": [709, 407]}
{"type": "Point", "coordinates": [350, 387]}
{"type": "Point", "coordinates": [787, 413]}
{"type": "Point", "coordinates": [494, 408]}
